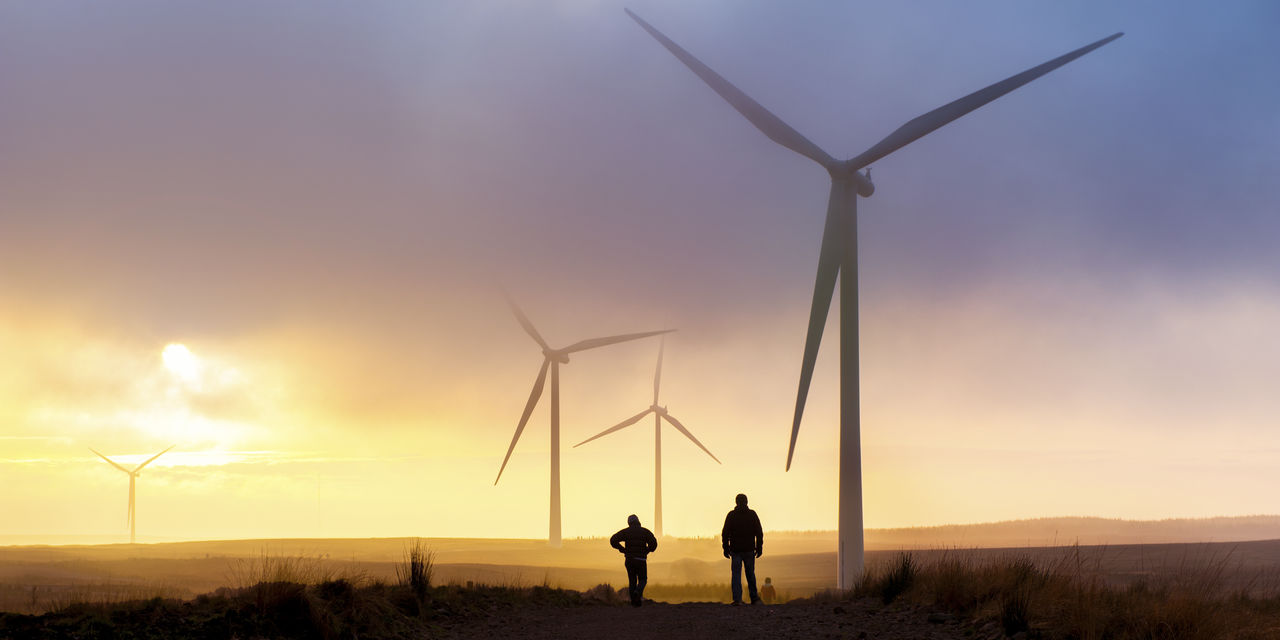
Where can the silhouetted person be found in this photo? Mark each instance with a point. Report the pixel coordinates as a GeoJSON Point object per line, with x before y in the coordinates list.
{"type": "Point", "coordinates": [635, 542]}
{"type": "Point", "coordinates": [743, 542]}
{"type": "Point", "coordinates": [767, 592]}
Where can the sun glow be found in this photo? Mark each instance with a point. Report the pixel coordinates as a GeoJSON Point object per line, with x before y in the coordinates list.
{"type": "Point", "coordinates": [183, 364]}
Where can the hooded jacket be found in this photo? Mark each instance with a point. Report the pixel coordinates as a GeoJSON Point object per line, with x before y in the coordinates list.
{"type": "Point", "coordinates": [742, 532]}
{"type": "Point", "coordinates": [635, 541]}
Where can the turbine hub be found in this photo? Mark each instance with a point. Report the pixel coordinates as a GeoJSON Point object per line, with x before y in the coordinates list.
{"type": "Point", "coordinates": [844, 170]}
{"type": "Point", "coordinates": [662, 411]}
{"type": "Point", "coordinates": [552, 354]}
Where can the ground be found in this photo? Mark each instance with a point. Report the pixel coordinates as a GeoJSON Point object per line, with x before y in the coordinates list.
{"type": "Point", "coordinates": [864, 620]}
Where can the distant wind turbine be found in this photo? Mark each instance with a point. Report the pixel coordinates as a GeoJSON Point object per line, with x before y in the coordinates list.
{"type": "Point", "coordinates": [133, 477]}
{"type": "Point", "coordinates": [839, 255]}
{"type": "Point", "coordinates": [659, 414]}
{"type": "Point", "coordinates": [552, 359]}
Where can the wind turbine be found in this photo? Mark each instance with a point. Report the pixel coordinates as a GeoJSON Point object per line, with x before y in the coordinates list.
{"type": "Point", "coordinates": [839, 255]}
{"type": "Point", "coordinates": [133, 477]}
{"type": "Point", "coordinates": [552, 359]}
{"type": "Point", "coordinates": [659, 414]}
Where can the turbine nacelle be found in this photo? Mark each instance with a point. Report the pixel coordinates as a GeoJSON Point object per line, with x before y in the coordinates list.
{"type": "Point", "coordinates": [662, 411]}
{"type": "Point", "coordinates": [846, 170]}
{"type": "Point", "coordinates": [558, 356]}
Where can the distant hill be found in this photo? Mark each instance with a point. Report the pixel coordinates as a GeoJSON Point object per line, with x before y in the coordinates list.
{"type": "Point", "coordinates": [1041, 532]}
{"type": "Point", "coordinates": [1038, 532]}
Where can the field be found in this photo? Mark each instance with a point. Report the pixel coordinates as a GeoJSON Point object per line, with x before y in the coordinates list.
{"type": "Point", "coordinates": [39, 578]}
{"type": "Point", "coordinates": [517, 589]}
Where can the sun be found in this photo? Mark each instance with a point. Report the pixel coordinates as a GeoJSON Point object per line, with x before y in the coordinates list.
{"type": "Point", "coordinates": [179, 360]}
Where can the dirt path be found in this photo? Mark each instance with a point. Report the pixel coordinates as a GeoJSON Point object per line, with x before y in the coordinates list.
{"type": "Point", "coordinates": [866, 620]}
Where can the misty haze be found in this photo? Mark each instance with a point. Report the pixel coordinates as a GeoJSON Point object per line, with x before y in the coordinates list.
{"type": "Point", "coordinates": [351, 320]}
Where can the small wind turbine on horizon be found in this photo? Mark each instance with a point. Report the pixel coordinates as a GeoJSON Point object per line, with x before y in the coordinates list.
{"type": "Point", "coordinates": [659, 414]}
{"type": "Point", "coordinates": [839, 256]}
{"type": "Point", "coordinates": [552, 359]}
{"type": "Point", "coordinates": [133, 477]}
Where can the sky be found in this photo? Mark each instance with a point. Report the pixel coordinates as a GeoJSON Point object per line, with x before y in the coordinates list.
{"type": "Point", "coordinates": [1069, 296]}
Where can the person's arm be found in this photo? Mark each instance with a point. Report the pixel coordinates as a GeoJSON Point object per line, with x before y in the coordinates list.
{"type": "Point", "coordinates": [724, 534]}
{"type": "Point", "coordinates": [653, 542]}
{"type": "Point", "coordinates": [616, 541]}
{"type": "Point", "coordinates": [759, 535]}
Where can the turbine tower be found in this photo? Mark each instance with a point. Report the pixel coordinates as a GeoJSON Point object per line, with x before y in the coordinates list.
{"type": "Point", "coordinates": [133, 477]}
{"type": "Point", "coordinates": [659, 414]}
{"type": "Point", "coordinates": [839, 256]}
{"type": "Point", "coordinates": [552, 359]}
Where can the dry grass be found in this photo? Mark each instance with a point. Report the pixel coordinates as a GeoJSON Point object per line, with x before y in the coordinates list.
{"type": "Point", "coordinates": [1071, 598]}
{"type": "Point", "coordinates": [304, 570]}
{"type": "Point", "coordinates": [1072, 595]}
{"type": "Point", "coordinates": [43, 598]}
{"type": "Point", "coordinates": [415, 572]}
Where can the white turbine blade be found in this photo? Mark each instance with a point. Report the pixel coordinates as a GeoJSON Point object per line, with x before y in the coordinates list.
{"type": "Point", "coordinates": [769, 124]}
{"type": "Point", "coordinates": [823, 288]}
{"type": "Point", "coordinates": [524, 417]}
{"type": "Point", "coordinates": [109, 461]}
{"type": "Point", "coordinates": [929, 122]}
{"type": "Point", "coordinates": [621, 425]}
{"type": "Point", "coordinates": [593, 343]}
{"type": "Point", "coordinates": [153, 458]}
{"type": "Point", "coordinates": [657, 372]}
{"type": "Point", "coordinates": [528, 326]}
{"type": "Point", "coordinates": [679, 427]}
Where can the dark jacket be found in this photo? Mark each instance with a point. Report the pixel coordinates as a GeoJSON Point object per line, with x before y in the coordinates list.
{"type": "Point", "coordinates": [635, 541]}
{"type": "Point", "coordinates": [742, 532]}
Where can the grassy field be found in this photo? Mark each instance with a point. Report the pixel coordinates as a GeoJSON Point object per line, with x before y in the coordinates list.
{"type": "Point", "coordinates": [1075, 595]}
{"type": "Point", "coordinates": [35, 579]}
{"type": "Point", "coordinates": [1050, 593]}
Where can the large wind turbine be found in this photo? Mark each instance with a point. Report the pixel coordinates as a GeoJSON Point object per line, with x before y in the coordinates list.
{"type": "Point", "coordinates": [552, 359]}
{"type": "Point", "coordinates": [659, 414]}
{"type": "Point", "coordinates": [839, 255]}
{"type": "Point", "coordinates": [133, 477]}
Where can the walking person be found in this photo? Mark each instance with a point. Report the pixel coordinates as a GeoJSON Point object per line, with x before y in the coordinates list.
{"type": "Point", "coordinates": [743, 542]}
{"type": "Point", "coordinates": [636, 543]}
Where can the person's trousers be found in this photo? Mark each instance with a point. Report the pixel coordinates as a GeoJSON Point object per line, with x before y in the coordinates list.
{"type": "Point", "coordinates": [638, 576]}
{"type": "Point", "coordinates": [743, 560]}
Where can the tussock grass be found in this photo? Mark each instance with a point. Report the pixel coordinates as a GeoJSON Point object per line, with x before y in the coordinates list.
{"type": "Point", "coordinates": [46, 597]}
{"type": "Point", "coordinates": [415, 572]}
{"type": "Point", "coordinates": [1071, 598]}
{"type": "Point", "coordinates": [1068, 597]}
{"type": "Point", "coordinates": [296, 597]}
{"type": "Point", "coordinates": [889, 581]}
{"type": "Point", "coordinates": [306, 570]}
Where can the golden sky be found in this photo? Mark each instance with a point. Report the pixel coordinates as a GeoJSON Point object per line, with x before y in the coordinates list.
{"type": "Point", "coordinates": [1069, 297]}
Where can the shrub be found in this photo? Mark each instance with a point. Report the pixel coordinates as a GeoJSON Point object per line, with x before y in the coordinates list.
{"type": "Point", "coordinates": [890, 582]}
{"type": "Point", "coordinates": [603, 593]}
{"type": "Point", "coordinates": [415, 572]}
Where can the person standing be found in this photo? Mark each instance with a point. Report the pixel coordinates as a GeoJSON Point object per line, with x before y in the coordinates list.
{"type": "Point", "coordinates": [743, 542]}
{"type": "Point", "coordinates": [636, 543]}
{"type": "Point", "coordinates": [767, 592]}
